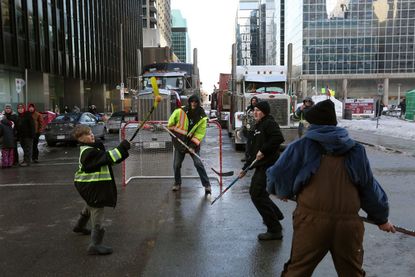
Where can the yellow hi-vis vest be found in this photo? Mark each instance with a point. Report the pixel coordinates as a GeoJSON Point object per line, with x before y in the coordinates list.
{"type": "Point", "coordinates": [179, 123]}
{"type": "Point", "coordinates": [102, 175]}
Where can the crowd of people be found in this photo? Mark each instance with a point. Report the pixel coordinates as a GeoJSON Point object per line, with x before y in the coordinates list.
{"type": "Point", "coordinates": [23, 127]}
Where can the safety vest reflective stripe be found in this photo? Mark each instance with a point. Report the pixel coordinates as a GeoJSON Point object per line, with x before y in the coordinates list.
{"type": "Point", "coordinates": [103, 175]}
{"type": "Point", "coordinates": [93, 177]}
{"type": "Point", "coordinates": [115, 155]}
{"type": "Point", "coordinates": [182, 120]}
{"type": "Point", "coordinates": [180, 131]}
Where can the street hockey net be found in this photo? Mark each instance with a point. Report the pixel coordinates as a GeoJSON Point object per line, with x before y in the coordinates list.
{"type": "Point", "coordinates": [151, 154]}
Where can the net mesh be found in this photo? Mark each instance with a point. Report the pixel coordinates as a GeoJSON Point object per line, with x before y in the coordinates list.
{"type": "Point", "coordinates": [152, 153]}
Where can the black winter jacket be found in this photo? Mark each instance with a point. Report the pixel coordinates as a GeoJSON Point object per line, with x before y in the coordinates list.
{"type": "Point", "coordinates": [25, 126]}
{"type": "Point", "coordinates": [267, 139]}
{"type": "Point", "coordinates": [7, 138]}
{"type": "Point", "coordinates": [100, 193]}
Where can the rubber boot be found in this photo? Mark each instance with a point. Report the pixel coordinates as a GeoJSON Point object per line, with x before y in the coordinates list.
{"type": "Point", "coordinates": [96, 247]}
{"type": "Point", "coordinates": [270, 235]}
{"type": "Point", "coordinates": [80, 226]}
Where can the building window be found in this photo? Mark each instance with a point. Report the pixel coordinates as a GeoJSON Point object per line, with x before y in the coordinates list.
{"type": "Point", "coordinates": [5, 15]}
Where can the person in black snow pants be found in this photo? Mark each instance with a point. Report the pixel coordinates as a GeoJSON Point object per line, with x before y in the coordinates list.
{"type": "Point", "coordinates": [265, 150]}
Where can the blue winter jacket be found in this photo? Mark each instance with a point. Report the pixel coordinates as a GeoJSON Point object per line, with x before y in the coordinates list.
{"type": "Point", "coordinates": [301, 159]}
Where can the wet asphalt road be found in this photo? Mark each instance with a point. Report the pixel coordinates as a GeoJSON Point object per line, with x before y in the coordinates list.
{"type": "Point", "coordinates": [155, 232]}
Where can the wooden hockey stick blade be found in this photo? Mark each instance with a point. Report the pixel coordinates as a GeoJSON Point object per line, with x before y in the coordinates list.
{"type": "Point", "coordinates": [397, 228]}
{"type": "Point", "coordinates": [228, 173]}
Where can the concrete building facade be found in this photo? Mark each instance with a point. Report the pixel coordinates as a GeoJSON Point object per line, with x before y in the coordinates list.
{"type": "Point", "coordinates": [156, 23]}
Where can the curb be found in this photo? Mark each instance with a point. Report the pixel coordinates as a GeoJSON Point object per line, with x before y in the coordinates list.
{"type": "Point", "coordinates": [381, 147]}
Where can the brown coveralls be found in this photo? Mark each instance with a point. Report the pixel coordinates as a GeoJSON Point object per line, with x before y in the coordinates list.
{"type": "Point", "coordinates": [326, 219]}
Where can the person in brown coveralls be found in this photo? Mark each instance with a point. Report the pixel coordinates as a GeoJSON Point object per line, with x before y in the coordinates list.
{"type": "Point", "coordinates": [330, 176]}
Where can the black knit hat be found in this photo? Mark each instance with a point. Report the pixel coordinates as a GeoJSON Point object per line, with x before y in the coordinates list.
{"type": "Point", "coordinates": [323, 113]}
{"type": "Point", "coordinates": [194, 97]}
{"type": "Point", "coordinates": [264, 107]}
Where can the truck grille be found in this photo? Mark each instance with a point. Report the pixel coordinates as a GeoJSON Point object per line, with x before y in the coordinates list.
{"type": "Point", "coordinates": [279, 110]}
{"type": "Point", "coordinates": [162, 112]}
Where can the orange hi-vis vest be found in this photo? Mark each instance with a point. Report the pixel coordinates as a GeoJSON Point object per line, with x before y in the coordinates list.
{"type": "Point", "coordinates": [179, 123]}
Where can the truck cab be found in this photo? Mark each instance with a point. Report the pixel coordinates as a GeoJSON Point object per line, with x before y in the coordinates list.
{"type": "Point", "coordinates": [266, 83]}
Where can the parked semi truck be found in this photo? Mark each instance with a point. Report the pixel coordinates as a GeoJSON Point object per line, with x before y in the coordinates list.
{"type": "Point", "coordinates": [221, 99]}
{"type": "Point", "coordinates": [266, 82]}
{"type": "Point", "coordinates": [176, 83]}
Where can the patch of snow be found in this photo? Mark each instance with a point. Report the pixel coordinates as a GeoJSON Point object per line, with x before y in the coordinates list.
{"type": "Point", "coordinates": [388, 126]}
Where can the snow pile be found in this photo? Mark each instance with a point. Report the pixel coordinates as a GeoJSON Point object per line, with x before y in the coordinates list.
{"type": "Point", "coordinates": [388, 126]}
{"type": "Point", "coordinates": [338, 105]}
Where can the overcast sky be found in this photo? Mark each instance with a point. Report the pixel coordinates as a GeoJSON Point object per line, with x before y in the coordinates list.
{"type": "Point", "coordinates": [211, 30]}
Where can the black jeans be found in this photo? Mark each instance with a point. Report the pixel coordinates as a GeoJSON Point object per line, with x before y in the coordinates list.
{"type": "Point", "coordinates": [35, 150]}
{"type": "Point", "coordinates": [269, 212]}
{"type": "Point", "coordinates": [27, 145]}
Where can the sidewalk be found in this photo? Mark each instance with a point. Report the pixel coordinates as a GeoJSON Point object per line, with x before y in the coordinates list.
{"type": "Point", "coordinates": [391, 134]}
{"type": "Point", "coordinates": [399, 145]}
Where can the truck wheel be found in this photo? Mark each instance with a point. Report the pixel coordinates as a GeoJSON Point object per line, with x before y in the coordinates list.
{"type": "Point", "coordinates": [51, 143]}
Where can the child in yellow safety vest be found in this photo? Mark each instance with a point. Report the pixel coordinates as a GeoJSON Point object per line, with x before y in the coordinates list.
{"type": "Point", "coordinates": [95, 183]}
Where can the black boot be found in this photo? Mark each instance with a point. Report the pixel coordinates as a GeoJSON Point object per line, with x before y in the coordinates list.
{"type": "Point", "coordinates": [80, 226]}
{"type": "Point", "coordinates": [277, 235]}
{"type": "Point", "coordinates": [96, 247]}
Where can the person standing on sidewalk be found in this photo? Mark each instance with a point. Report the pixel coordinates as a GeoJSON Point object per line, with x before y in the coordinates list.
{"type": "Point", "coordinates": [329, 175]}
{"type": "Point", "coordinates": [249, 126]}
{"type": "Point", "coordinates": [38, 120]}
{"type": "Point", "coordinates": [402, 105]}
{"type": "Point", "coordinates": [265, 149]}
{"type": "Point", "coordinates": [189, 125]}
{"type": "Point", "coordinates": [95, 183]}
{"type": "Point", "coordinates": [12, 116]}
{"type": "Point", "coordinates": [299, 114]}
{"type": "Point", "coordinates": [25, 133]}
{"type": "Point", "coordinates": [8, 142]}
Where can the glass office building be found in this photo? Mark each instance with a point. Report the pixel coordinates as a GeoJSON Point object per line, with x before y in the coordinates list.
{"type": "Point", "coordinates": [180, 37]}
{"type": "Point", "coordinates": [260, 32]}
{"type": "Point", "coordinates": [69, 49]}
{"type": "Point", "coordinates": [352, 40]}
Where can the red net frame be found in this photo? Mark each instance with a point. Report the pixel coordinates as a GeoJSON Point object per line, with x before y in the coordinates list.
{"type": "Point", "coordinates": [146, 162]}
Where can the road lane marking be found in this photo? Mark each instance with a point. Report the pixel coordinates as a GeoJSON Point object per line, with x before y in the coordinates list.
{"type": "Point", "coordinates": [35, 184]}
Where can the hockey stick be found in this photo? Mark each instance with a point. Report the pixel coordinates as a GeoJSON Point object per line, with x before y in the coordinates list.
{"type": "Point", "coordinates": [397, 228]}
{"type": "Point", "coordinates": [233, 182]}
{"type": "Point", "coordinates": [229, 173]}
{"type": "Point", "coordinates": [157, 99]}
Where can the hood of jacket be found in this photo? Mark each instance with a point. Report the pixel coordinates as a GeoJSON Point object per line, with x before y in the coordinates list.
{"type": "Point", "coordinates": [31, 105]}
{"type": "Point", "coordinates": [335, 140]}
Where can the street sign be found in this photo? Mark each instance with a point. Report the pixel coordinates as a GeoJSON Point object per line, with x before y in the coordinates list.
{"type": "Point", "coordinates": [122, 93]}
{"type": "Point", "coordinates": [19, 85]}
